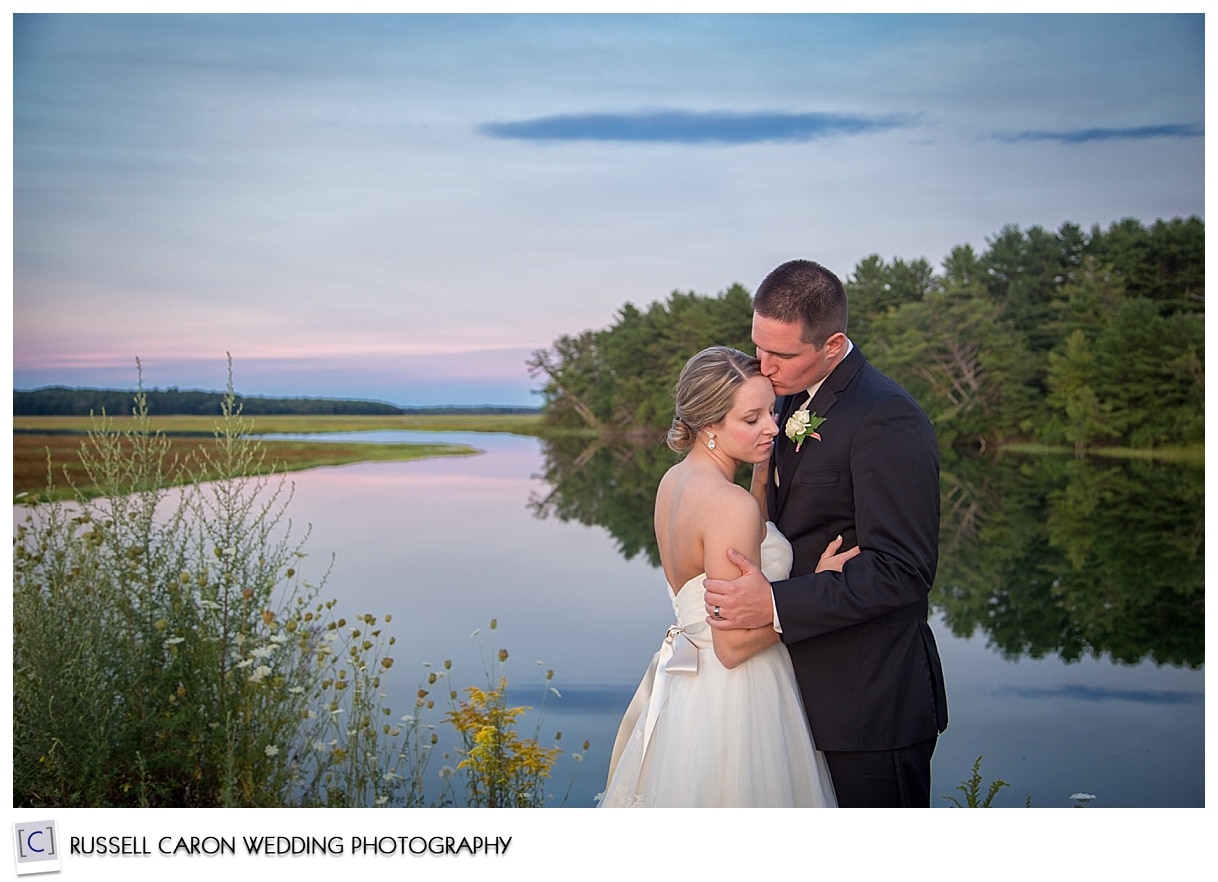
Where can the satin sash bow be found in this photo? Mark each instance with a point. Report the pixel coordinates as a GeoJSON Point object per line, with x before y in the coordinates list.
{"type": "Point", "coordinates": [678, 655]}
{"type": "Point", "coordinates": [682, 653]}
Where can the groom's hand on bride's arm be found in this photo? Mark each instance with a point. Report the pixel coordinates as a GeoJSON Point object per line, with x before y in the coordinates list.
{"type": "Point", "coordinates": [744, 602]}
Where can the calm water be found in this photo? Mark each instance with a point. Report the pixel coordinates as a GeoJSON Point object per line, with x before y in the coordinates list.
{"type": "Point", "coordinates": [554, 548]}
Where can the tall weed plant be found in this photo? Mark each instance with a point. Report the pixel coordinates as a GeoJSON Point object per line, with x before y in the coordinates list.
{"type": "Point", "coordinates": [499, 767]}
{"type": "Point", "coordinates": [168, 651]}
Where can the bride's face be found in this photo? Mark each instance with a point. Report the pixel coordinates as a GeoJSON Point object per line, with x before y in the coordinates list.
{"type": "Point", "coordinates": [747, 432]}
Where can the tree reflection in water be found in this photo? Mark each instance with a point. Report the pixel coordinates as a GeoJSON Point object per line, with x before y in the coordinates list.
{"type": "Point", "coordinates": [1047, 555]}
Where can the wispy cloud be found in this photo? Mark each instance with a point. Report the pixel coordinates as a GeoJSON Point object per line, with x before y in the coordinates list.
{"type": "Point", "coordinates": [687, 127]}
{"type": "Point", "coordinates": [1083, 136]}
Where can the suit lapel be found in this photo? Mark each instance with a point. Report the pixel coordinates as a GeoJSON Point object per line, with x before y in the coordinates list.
{"type": "Point", "coordinates": [787, 461]}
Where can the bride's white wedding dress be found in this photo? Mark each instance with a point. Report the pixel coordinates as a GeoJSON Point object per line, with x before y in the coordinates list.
{"type": "Point", "coordinates": [699, 735]}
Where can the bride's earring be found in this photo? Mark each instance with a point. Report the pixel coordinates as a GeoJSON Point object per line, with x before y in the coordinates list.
{"type": "Point", "coordinates": [711, 440]}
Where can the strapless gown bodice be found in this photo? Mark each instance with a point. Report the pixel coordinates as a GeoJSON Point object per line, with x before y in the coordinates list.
{"type": "Point", "coordinates": [689, 607]}
{"type": "Point", "coordinates": [699, 734]}
{"type": "Point", "coordinates": [776, 557]}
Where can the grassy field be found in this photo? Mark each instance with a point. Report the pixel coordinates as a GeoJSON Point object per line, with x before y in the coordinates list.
{"type": "Point", "coordinates": [60, 438]}
{"type": "Point", "coordinates": [1193, 455]}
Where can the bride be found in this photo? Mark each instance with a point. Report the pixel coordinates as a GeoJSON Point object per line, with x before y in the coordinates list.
{"type": "Point", "coordinates": [717, 720]}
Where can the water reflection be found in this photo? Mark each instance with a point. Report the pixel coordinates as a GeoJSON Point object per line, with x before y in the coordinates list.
{"type": "Point", "coordinates": [1045, 555]}
{"type": "Point", "coordinates": [1071, 557]}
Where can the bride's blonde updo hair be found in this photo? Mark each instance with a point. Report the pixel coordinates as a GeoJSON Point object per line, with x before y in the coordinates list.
{"type": "Point", "coordinates": [705, 391]}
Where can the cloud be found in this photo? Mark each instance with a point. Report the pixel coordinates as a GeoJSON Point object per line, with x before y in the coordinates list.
{"type": "Point", "coordinates": [1099, 693]}
{"type": "Point", "coordinates": [687, 127]}
{"type": "Point", "coordinates": [1083, 136]}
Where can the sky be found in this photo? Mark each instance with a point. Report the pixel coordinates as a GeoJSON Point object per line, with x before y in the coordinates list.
{"type": "Point", "coordinates": [404, 207]}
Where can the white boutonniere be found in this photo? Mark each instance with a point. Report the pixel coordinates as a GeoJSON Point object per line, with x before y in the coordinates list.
{"type": "Point", "coordinates": [802, 425]}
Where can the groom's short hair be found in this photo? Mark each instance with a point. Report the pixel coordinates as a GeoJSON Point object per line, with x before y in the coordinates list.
{"type": "Point", "coordinates": [804, 291]}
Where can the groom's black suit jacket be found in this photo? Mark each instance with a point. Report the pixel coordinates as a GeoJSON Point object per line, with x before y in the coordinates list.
{"type": "Point", "coordinates": [864, 655]}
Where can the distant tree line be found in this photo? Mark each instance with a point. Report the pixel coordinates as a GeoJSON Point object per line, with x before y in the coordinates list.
{"type": "Point", "coordinates": [66, 401]}
{"type": "Point", "coordinates": [1056, 337]}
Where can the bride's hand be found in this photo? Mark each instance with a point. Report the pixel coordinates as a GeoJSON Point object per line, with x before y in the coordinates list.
{"type": "Point", "coordinates": [832, 560]}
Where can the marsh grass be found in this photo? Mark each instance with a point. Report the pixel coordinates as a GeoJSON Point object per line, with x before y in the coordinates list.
{"type": "Point", "coordinates": [33, 451]}
{"type": "Point", "coordinates": [1193, 454]}
{"type": "Point", "coordinates": [291, 424]}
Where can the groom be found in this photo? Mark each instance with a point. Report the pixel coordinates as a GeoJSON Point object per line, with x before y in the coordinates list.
{"type": "Point", "coordinates": [866, 468]}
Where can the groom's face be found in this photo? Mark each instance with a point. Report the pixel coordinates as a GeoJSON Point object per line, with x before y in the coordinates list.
{"type": "Point", "coordinates": [790, 363]}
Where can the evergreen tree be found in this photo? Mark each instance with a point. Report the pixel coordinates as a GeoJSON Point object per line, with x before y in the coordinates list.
{"type": "Point", "coordinates": [1078, 415]}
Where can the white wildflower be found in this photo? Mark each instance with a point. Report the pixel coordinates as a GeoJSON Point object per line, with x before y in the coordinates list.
{"type": "Point", "coordinates": [271, 750]}
{"type": "Point", "coordinates": [259, 674]}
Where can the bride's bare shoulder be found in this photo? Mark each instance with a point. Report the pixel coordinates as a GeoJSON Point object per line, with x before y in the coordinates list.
{"type": "Point", "coordinates": [703, 489]}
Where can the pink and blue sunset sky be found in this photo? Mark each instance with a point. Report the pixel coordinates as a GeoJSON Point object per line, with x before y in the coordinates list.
{"type": "Point", "coordinates": [404, 207]}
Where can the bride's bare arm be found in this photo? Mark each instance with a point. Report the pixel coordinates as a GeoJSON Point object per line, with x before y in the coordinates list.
{"type": "Point", "coordinates": [736, 525]}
